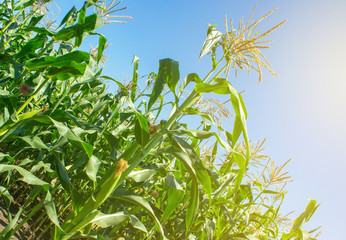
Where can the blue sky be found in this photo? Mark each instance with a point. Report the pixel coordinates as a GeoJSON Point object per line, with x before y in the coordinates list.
{"type": "Point", "coordinates": [302, 113]}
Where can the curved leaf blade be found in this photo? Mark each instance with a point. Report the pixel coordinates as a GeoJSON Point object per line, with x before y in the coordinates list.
{"type": "Point", "coordinates": [142, 175]}
{"type": "Point", "coordinates": [92, 167]}
{"type": "Point", "coordinates": [138, 200]}
{"type": "Point", "coordinates": [51, 210]}
{"type": "Point", "coordinates": [212, 38]}
{"type": "Point", "coordinates": [168, 74]}
{"type": "Point", "coordinates": [106, 220]}
{"type": "Point", "coordinates": [141, 130]}
{"type": "Point", "coordinates": [28, 177]}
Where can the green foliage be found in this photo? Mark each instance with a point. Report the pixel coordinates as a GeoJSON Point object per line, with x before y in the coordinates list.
{"type": "Point", "coordinates": [85, 163]}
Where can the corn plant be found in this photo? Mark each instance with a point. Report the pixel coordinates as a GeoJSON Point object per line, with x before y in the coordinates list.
{"type": "Point", "coordinates": [84, 163]}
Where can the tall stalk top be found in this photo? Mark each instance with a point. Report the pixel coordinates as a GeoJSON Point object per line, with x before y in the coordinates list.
{"type": "Point", "coordinates": [242, 46]}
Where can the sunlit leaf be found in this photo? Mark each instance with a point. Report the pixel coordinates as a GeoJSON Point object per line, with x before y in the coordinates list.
{"type": "Point", "coordinates": [68, 16]}
{"type": "Point", "coordinates": [192, 77]}
{"type": "Point", "coordinates": [28, 177]}
{"type": "Point", "coordinates": [142, 175]}
{"type": "Point", "coordinates": [212, 38]}
{"type": "Point", "coordinates": [92, 167]}
{"type": "Point", "coordinates": [34, 142]}
{"type": "Point", "coordinates": [107, 220]}
{"type": "Point", "coordinates": [91, 23]}
{"type": "Point", "coordinates": [224, 87]}
{"type": "Point", "coordinates": [134, 77]}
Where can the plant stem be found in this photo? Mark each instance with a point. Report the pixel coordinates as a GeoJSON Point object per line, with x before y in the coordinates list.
{"type": "Point", "coordinates": [213, 70]}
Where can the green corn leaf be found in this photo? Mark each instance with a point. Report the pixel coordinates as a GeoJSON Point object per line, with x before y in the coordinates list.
{"type": "Point", "coordinates": [86, 220]}
{"type": "Point", "coordinates": [141, 130]}
{"type": "Point", "coordinates": [293, 234]}
{"type": "Point", "coordinates": [258, 184]}
{"type": "Point", "coordinates": [221, 87]}
{"type": "Point", "coordinates": [67, 184]}
{"type": "Point", "coordinates": [68, 16]}
{"type": "Point", "coordinates": [71, 70]}
{"type": "Point", "coordinates": [91, 23]}
{"type": "Point", "coordinates": [224, 87]}
{"type": "Point", "coordinates": [84, 104]}
{"type": "Point", "coordinates": [28, 177]}
{"type": "Point", "coordinates": [112, 142]}
{"type": "Point", "coordinates": [92, 167]}
{"type": "Point", "coordinates": [160, 107]}
{"type": "Point", "coordinates": [134, 77]}
{"type": "Point", "coordinates": [192, 209]}
{"type": "Point", "coordinates": [270, 192]}
{"type": "Point", "coordinates": [214, 151]}
{"type": "Point", "coordinates": [11, 224]}
{"type": "Point", "coordinates": [40, 64]}
{"type": "Point", "coordinates": [41, 30]}
{"type": "Point", "coordinates": [137, 224]}
{"type": "Point", "coordinates": [169, 69]}
{"type": "Point", "coordinates": [45, 166]}
{"type": "Point", "coordinates": [244, 192]}
{"type": "Point", "coordinates": [192, 77]}
{"type": "Point", "coordinates": [174, 196]}
{"type": "Point", "coordinates": [212, 38]}
{"type": "Point", "coordinates": [306, 215]}
{"type": "Point", "coordinates": [173, 183]}
{"type": "Point", "coordinates": [157, 90]}
{"type": "Point", "coordinates": [6, 196]}
{"type": "Point", "coordinates": [201, 172]}
{"type": "Point", "coordinates": [225, 184]}
{"type": "Point", "coordinates": [101, 47]}
{"type": "Point", "coordinates": [32, 45]}
{"type": "Point", "coordinates": [51, 210]}
{"type": "Point", "coordinates": [34, 142]}
{"type": "Point", "coordinates": [96, 109]}
{"type": "Point", "coordinates": [80, 25]}
{"type": "Point", "coordinates": [174, 199]}
{"type": "Point", "coordinates": [21, 117]}
{"type": "Point", "coordinates": [107, 220]}
{"type": "Point", "coordinates": [196, 111]}
{"type": "Point", "coordinates": [24, 3]}
{"type": "Point", "coordinates": [182, 156]}
{"type": "Point", "coordinates": [242, 163]}
{"type": "Point", "coordinates": [5, 59]}
{"type": "Point", "coordinates": [63, 176]}
{"type": "Point", "coordinates": [84, 85]}
{"type": "Point", "coordinates": [74, 139]}
{"type": "Point", "coordinates": [168, 74]}
{"type": "Point", "coordinates": [199, 134]}
{"type": "Point", "coordinates": [91, 235]}
{"type": "Point", "coordinates": [194, 193]}
{"type": "Point", "coordinates": [121, 194]}
{"type": "Point", "coordinates": [28, 114]}
{"type": "Point", "coordinates": [142, 175]}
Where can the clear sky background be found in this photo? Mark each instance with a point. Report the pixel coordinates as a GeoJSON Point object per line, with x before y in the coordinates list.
{"type": "Point", "coordinates": [302, 113]}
